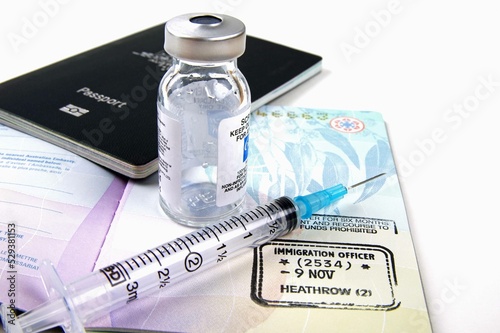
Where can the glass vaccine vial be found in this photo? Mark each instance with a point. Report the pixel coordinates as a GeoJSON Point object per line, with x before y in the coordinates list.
{"type": "Point", "coordinates": [203, 120]}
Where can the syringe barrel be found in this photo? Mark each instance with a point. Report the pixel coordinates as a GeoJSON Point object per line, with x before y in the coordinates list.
{"type": "Point", "coordinates": [153, 270]}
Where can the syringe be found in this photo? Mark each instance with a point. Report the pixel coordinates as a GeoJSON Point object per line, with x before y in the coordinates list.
{"type": "Point", "coordinates": [118, 284]}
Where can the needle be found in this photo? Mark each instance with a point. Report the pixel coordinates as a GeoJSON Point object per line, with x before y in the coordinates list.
{"type": "Point", "coordinates": [365, 181]}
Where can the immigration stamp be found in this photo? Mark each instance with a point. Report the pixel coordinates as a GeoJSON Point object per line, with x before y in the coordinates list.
{"type": "Point", "coordinates": [326, 275]}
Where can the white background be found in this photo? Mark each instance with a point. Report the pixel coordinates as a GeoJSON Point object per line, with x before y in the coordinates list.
{"type": "Point", "coordinates": [425, 65]}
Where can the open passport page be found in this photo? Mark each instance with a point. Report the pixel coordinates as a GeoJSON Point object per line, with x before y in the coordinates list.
{"type": "Point", "coordinates": [349, 268]}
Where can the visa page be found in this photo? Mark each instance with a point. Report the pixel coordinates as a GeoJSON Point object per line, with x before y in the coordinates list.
{"type": "Point", "coordinates": [351, 266]}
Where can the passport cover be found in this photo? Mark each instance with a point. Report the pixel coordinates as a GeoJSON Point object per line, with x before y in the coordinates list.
{"type": "Point", "coordinates": [101, 104]}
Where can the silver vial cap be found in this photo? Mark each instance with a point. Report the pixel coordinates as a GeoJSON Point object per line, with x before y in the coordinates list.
{"type": "Point", "coordinates": [205, 37]}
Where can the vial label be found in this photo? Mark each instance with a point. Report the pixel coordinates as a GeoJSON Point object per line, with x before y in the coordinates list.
{"type": "Point", "coordinates": [169, 158]}
{"type": "Point", "coordinates": [232, 158]}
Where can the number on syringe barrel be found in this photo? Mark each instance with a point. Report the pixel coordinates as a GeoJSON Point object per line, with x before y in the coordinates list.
{"type": "Point", "coordinates": [132, 291]}
{"type": "Point", "coordinates": [193, 261]}
{"type": "Point", "coordinates": [164, 277]}
{"type": "Point", "coordinates": [273, 227]}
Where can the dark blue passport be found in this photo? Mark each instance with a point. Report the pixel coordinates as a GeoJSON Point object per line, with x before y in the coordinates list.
{"type": "Point", "coordinates": [101, 104]}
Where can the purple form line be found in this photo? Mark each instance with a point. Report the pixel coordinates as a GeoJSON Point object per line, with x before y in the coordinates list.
{"type": "Point", "coordinates": [80, 255]}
